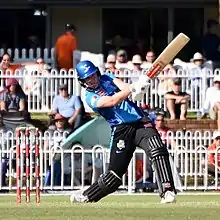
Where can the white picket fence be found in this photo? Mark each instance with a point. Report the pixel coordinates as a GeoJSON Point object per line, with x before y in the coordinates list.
{"type": "Point", "coordinates": [43, 88]}
{"type": "Point", "coordinates": [190, 160]}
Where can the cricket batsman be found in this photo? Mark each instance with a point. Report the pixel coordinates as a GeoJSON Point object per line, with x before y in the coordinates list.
{"type": "Point", "coordinates": [131, 127]}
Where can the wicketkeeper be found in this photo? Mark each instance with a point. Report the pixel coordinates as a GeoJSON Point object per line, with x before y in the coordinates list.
{"type": "Point", "coordinates": [108, 96]}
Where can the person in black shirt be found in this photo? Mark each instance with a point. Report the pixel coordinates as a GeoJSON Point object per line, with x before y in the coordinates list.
{"type": "Point", "coordinates": [177, 101]}
{"type": "Point", "coordinates": [211, 41]}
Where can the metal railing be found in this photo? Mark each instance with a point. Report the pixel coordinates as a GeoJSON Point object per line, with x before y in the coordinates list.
{"type": "Point", "coordinates": [74, 168]}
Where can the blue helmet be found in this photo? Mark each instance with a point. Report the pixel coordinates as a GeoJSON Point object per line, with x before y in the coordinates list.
{"type": "Point", "coordinates": [85, 69]}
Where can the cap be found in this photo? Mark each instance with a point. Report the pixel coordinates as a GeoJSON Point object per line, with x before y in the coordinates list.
{"type": "Point", "coordinates": [198, 56]}
{"type": "Point", "coordinates": [111, 58]}
{"type": "Point", "coordinates": [11, 82]}
{"type": "Point", "coordinates": [216, 78]}
{"type": "Point", "coordinates": [59, 117]}
{"type": "Point", "coordinates": [137, 59]}
{"type": "Point", "coordinates": [216, 134]}
{"type": "Point", "coordinates": [70, 27]}
{"type": "Point", "coordinates": [63, 86]}
{"type": "Point", "coordinates": [121, 53]}
{"type": "Point", "coordinates": [177, 81]}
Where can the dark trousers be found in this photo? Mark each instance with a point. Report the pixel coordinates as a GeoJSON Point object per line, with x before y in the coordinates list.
{"type": "Point", "coordinates": [124, 140]}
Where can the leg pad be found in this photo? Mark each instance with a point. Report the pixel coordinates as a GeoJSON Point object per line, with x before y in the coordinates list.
{"type": "Point", "coordinates": [161, 164]}
{"type": "Point", "coordinates": [106, 184]}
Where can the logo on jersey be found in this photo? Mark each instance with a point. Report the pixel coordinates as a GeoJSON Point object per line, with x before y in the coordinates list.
{"type": "Point", "coordinates": [85, 68]}
{"type": "Point", "coordinates": [101, 92]}
{"type": "Point", "coordinates": [120, 146]}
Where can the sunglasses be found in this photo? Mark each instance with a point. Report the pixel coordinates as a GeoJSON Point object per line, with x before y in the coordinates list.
{"type": "Point", "coordinates": [112, 62]}
{"type": "Point", "coordinates": [136, 64]}
{"type": "Point", "coordinates": [65, 89]}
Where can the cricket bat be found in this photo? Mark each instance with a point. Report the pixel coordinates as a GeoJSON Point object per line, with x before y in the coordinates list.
{"type": "Point", "coordinates": [168, 54]}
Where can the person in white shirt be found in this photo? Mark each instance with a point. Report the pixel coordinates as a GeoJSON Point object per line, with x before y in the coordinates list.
{"type": "Point", "coordinates": [122, 59]}
{"type": "Point", "coordinates": [199, 74]}
{"type": "Point", "coordinates": [135, 64]}
{"type": "Point", "coordinates": [150, 58]}
{"type": "Point", "coordinates": [212, 101]}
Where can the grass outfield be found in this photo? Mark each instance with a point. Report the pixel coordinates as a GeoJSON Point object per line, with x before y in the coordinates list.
{"type": "Point", "coordinates": [199, 207]}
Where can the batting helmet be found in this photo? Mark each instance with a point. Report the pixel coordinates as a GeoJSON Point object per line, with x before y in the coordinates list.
{"type": "Point", "coordinates": [85, 69]}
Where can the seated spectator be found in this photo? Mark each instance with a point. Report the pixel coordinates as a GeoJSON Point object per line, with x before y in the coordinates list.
{"type": "Point", "coordinates": [36, 86]}
{"type": "Point", "coordinates": [212, 163]}
{"type": "Point", "coordinates": [163, 131]}
{"type": "Point", "coordinates": [136, 64]}
{"type": "Point", "coordinates": [150, 58]}
{"type": "Point", "coordinates": [70, 106]}
{"type": "Point", "coordinates": [57, 135]}
{"type": "Point", "coordinates": [13, 98]}
{"type": "Point", "coordinates": [42, 66]}
{"type": "Point", "coordinates": [110, 65]}
{"type": "Point", "coordinates": [122, 59]}
{"type": "Point", "coordinates": [6, 64]}
{"type": "Point", "coordinates": [199, 74]}
{"type": "Point", "coordinates": [166, 80]}
{"type": "Point", "coordinates": [177, 101]}
{"type": "Point", "coordinates": [212, 101]}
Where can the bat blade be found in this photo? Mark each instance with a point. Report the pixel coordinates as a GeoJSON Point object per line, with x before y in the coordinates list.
{"type": "Point", "coordinates": [168, 54]}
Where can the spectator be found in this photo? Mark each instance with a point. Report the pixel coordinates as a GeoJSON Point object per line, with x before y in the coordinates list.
{"type": "Point", "coordinates": [150, 58]}
{"type": "Point", "coordinates": [199, 70]}
{"type": "Point", "coordinates": [211, 41]}
{"type": "Point", "coordinates": [42, 66]}
{"type": "Point", "coordinates": [6, 64]}
{"type": "Point", "coordinates": [212, 163]}
{"type": "Point", "coordinates": [212, 101]}
{"type": "Point", "coordinates": [198, 75]}
{"type": "Point", "coordinates": [136, 64]}
{"type": "Point", "coordinates": [13, 98]}
{"type": "Point", "coordinates": [70, 106]}
{"type": "Point", "coordinates": [65, 45]}
{"type": "Point", "coordinates": [166, 80]}
{"type": "Point", "coordinates": [122, 59]}
{"type": "Point", "coordinates": [163, 131]}
{"type": "Point", "coordinates": [54, 141]}
{"type": "Point", "coordinates": [32, 81]}
{"type": "Point", "coordinates": [177, 101]}
{"type": "Point", "coordinates": [110, 65]}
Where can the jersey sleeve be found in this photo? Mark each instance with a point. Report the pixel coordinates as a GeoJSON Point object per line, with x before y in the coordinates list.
{"type": "Point", "coordinates": [92, 100]}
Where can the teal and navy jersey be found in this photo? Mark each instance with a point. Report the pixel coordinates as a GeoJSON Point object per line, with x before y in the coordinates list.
{"type": "Point", "coordinates": [125, 112]}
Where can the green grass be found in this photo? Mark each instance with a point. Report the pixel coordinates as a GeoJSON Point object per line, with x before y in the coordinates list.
{"type": "Point", "coordinates": [113, 207]}
{"type": "Point", "coordinates": [40, 116]}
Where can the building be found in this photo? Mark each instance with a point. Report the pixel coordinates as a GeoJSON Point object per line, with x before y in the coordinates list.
{"type": "Point", "coordinates": [155, 22]}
